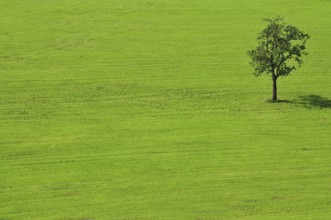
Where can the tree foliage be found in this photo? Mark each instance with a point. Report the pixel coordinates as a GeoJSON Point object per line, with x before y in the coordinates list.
{"type": "Point", "coordinates": [280, 49]}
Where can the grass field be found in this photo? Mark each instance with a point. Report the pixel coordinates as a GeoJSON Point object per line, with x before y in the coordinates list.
{"type": "Point", "coordinates": [147, 109]}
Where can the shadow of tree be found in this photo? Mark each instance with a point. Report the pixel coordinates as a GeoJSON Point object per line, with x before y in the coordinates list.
{"type": "Point", "coordinates": [314, 101]}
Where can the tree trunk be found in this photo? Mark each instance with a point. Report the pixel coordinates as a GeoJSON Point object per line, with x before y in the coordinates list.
{"type": "Point", "coordinates": [274, 89]}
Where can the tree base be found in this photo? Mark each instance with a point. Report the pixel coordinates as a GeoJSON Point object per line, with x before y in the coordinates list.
{"type": "Point", "coordinates": [277, 101]}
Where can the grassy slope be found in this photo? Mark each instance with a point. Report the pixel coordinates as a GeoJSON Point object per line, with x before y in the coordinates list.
{"type": "Point", "coordinates": [146, 110]}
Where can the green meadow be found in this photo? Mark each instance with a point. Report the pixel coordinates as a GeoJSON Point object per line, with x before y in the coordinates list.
{"type": "Point", "coordinates": [147, 109]}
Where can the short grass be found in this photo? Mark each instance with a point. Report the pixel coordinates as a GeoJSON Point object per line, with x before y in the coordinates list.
{"type": "Point", "coordinates": [146, 109]}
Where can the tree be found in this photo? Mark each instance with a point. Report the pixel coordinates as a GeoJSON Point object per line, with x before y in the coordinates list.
{"type": "Point", "coordinates": [280, 50]}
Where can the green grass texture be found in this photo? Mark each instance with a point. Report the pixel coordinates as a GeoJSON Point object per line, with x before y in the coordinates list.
{"type": "Point", "coordinates": [147, 109]}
